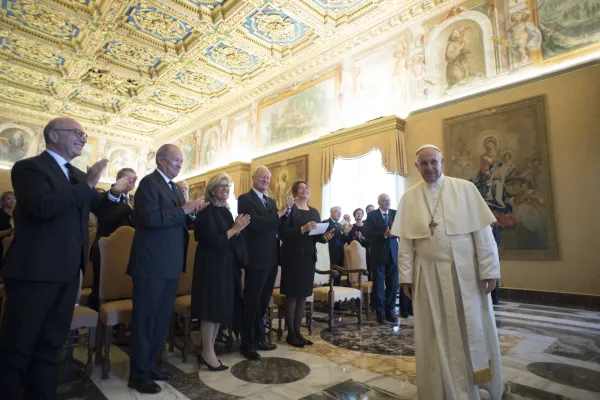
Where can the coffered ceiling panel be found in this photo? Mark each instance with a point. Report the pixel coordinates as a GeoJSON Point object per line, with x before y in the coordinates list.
{"type": "Point", "coordinates": [155, 67]}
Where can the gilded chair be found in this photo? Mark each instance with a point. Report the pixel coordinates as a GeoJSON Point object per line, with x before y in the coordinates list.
{"type": "Point", "coordinates": [88, 278]}
{"type": "Point", "coordinates": [116, 290]}
{"type": "Point", "coordinates": [332, 294]}
{"type": "Point", "coordinates": [357, 259]}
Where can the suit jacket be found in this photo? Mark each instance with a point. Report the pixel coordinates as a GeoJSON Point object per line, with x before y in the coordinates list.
{"type": "Point", "coordinates": [336, 244]}
{"type": "Point", "coordinates": [110, 216]}
{"type": "Point", "coordinates": [380, 247]}
{"type": "Point", "coordinates": [262, 234]}
{"type": "Point", "coordinates": [51, 221]}
{"type": "Point", "coordinates": [161, 237]}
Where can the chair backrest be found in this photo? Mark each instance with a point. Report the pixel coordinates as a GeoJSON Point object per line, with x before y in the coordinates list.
{"type": "Point", "coordinates": [185, 281]}
{"type": "Point", "coordinates": [88, 277]}
{"type": "Point", "coordinates": [323, 263]}
{"type": "Point", "coordinates": [5, 245]}
{"type": "Point", "coordinates": [346, 265]}
{"type": "Point", "coordinates": [357, 258]}
{"type": "Point", "coordinates": [114, 257]}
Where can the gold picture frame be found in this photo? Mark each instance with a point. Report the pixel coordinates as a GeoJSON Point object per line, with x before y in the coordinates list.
{"type": "Point", "coordinates": [293, 126]}
{"type": "Point", "coordinates": [284, 174]}
{"type": "Point", "coordinates": [503, 150]}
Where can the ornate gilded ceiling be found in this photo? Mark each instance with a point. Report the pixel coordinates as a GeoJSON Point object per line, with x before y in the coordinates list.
{"type": "Point", "coordinates": [154, 68]}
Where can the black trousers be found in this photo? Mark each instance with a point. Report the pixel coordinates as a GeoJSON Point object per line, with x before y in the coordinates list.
{"type": "Point", "coordinates": [385, 287]}
{"type": "Point", "coordinates": [35, 325]}
{"type": "Point", "coordinates": [153, 302]}
{"type": "Point", "coordinates": [258, 289]}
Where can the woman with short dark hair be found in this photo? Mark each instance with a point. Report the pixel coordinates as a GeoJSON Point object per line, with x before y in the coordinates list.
{"type": "Point", "coordinates": [298, 260]}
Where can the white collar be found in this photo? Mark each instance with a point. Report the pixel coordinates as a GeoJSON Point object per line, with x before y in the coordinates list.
{"type": "Point", "coordinates": [259, 194]}
{"type": "Point", "coordinates": [59, 159]}
{"type": "Point", "coordinates": [163, 175]}
{"type": "Point", "coordinates": [384, 212]}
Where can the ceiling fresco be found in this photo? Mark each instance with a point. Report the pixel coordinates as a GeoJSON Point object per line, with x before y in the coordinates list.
{"type": "Point", "coordinates": [153, 68]}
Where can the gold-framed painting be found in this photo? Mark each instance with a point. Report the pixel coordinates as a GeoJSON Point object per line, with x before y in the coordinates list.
{"type": "Point", "coordinates": [284, 174]}
{"type": "Point", "coordinates": [197, 190]}
{"type": "Point", "coordinates": [310, 110]}
{"type": "Point", "coordinates": [503, 150]}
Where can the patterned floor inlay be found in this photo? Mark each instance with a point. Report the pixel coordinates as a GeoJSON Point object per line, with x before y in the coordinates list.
{"type": "Point", "coordinates": [270, 370]}
{"type": "Point", "coordinates": [373, 338]}
{"type": "Point", "coordinates": [570, 375]}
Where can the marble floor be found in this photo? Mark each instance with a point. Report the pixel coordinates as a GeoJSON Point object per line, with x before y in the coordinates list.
{"type": "Point", "coordinates": [547, 353]}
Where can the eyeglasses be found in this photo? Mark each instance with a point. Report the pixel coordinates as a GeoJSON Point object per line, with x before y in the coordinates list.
{"type": "Point", "coordinates": [78, 134]}
{"type": "Point", "coordinates": [221, 186]}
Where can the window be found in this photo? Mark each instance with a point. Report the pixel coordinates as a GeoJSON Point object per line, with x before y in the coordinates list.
{"type": "Point", "coordinates": [356, 183]}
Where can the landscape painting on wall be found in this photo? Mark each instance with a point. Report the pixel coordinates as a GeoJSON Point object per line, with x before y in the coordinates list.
{"type": "Point", "coordinates": [504, 152]}
{"type": "Point", "coordinates": [308, 111]}
{"type": "Point", "coordinates": [568, 25]}
{"type": "Point", "coordinates": [284, 174]}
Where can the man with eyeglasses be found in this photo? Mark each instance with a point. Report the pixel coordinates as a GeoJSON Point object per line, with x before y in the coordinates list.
{"type": "Point", "coordinates": [43, 266]}
{"type": "Point", "coordinates": [157, 260]}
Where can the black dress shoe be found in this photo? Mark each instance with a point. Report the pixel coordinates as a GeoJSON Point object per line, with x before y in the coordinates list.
{"type": "Point", "coordinates": [306, 342]}
{"type": "Point", "coordinates": [160, 376]}
{"type": "Point", "coordinates": [145, 386]}
{"type": "Point", "coordinates": [295, 343]}
{"type": "Point", "coordinates": [393, 319]}
{"type": "Point", "coordinates": [264, 346]}
{"type": "Point", "coordinates": [250, 354]}
{"type": "Point", "coordinates": [381, 320]}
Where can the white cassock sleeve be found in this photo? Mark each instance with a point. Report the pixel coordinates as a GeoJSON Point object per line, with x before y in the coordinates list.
{"type": "Point", "coordinates": [406, 260]}
{"type": "Point", "coordinates": [487, 253]}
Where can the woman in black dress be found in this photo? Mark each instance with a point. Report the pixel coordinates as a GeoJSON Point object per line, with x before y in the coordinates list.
{"type": "Point", "coordinates": [220, 257]}
{"type": "Point", "coordinates": [9, 201]}
{"type": "Point", "coordinates": [298, 260]}
{"type": "Point", "coordinates": [356, 233]}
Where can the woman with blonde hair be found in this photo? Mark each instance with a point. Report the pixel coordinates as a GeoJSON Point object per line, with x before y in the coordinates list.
{"type": "Point", "coordinates": [220, 256]}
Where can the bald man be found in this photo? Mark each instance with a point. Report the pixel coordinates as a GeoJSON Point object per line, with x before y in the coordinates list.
{"type": "Point", "coordinates": [262, 238]}
{"type": "Point", "coordinates": [449, 264]}
{"type": "Point", "coordinates": [157, 260]}
{"type": "Point", "coordinates": [43, 265]}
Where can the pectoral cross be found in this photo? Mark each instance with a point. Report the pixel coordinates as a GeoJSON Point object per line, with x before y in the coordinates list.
{"type": "Point", "coordinates": [432, 226]}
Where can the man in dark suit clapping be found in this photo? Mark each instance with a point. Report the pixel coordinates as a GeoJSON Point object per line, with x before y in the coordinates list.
{"type": "Point", "coordinates": [111, 216]}
{"type": "Point", "coordinates": [383, 255]}
{"type": "Point", "coordinates": [262, 240]}
{"type": "Point", "coordinates": [157, 259]}
{"type": "Point", "coordinates": [336, 244]}
{"type": "Point", "coordinates": [47, 256]}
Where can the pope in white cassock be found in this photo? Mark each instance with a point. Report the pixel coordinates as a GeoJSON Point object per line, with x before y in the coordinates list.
{"type": "Point", "coordinates": [449, 264]}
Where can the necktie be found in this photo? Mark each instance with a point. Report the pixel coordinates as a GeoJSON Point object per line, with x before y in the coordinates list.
{"type": "Point", "coordinates": [173, 188]}
{"type": "Point", "coordinates": [266, 203]}
{"type": "Point", "coordinates": [387, 221]}
{"type": "Point", "coordinates": [72, 179]}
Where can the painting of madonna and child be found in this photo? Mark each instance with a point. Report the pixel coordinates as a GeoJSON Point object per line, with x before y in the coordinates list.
{"type": "Point", "coordinates": [503, 151]}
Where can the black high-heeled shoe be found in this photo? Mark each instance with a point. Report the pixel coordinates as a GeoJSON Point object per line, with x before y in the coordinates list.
{"type": "Point", "coordinates": [305, 342]}
{"type": "Point", "coordinates": [296, 344]}
{"type": "Point", "coordinates": [221, 367]}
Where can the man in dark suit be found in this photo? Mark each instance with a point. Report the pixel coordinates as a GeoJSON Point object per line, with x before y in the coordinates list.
{"type": "Point", "coordinates": [156, 261]}
{"type": "Point", "coordinates": [262, 241]}
{"type": "Point", "coordinates": [110, 215]}
{"type": "Point", "coordinates": [43, 265]}
{"type": "Point", "coordinates": [384, 261]}
{"type": "Point", "coordinates": [336, 244]}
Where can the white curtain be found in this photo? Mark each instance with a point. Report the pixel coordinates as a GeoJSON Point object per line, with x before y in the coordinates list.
{"type": "Point", "coordinates": [356, 183]}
